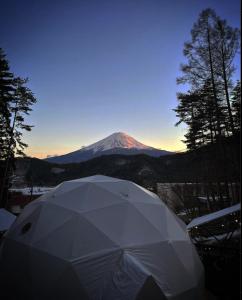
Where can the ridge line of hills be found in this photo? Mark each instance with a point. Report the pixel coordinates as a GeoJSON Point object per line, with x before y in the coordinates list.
{"type": "Point", "coordinates": [192, 166]}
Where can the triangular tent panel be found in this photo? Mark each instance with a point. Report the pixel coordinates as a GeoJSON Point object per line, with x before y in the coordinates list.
{"type": "Point", "coordinates": [6, 219]}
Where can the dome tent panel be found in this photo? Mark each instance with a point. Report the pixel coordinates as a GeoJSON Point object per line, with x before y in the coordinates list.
{"type": "Point", "coordinates": [23, 230]}
{"type": "Point", "coordinates": [51, 217]}
{"type": "Point", "coordinates": [122, 223]}
{"type": "Point", "coordinates": [117, 188]}
{"type": "Point", "coordinates": [92, 241]}
{"type": "Point", "coordinates": [59, 242]}
{"type": "Point", "coordinates": [167, 269]}
{"type": "Point", "coordinates": [67, 242]}
{"type": "Point", "coordinates": [95, 270]}
{"type": "Point", "coordinates": [127, 279]}
{"type": "Point", "coordinates": [142, 191]}
{"type": "Point", "coordinates": [175, 230]}
{"type": "Point", "coordinates": [86, 197]}
{"type": "Point", "coordinates": [28, 210]}
{"type": "Point", "coordinates": [6, 219]}
{"type": "Point", "coordinates": [97, 178]}
{"type": "Point", "coordinates": [129, 191]}
{"type": "Point", "coordinates": [156, 216]}
{"type": "Point", "coordinates": [45, 270]}
{"type": "Point", "coordinates": [141, 195]}
{"type": "Point", "coordinates": [99, 197]}
{"type": "Point", "coordinates": [185, 253]}
{"type": "Point", "coordinates": [67, 192]}
{"type": "Point", "coordinates": [63, 188]}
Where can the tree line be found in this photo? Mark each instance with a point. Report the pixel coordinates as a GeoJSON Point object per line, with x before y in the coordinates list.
{"type": "Point", "coordinates": [211, 106]}
{"type": "Point", "coordinates": [16, 100]}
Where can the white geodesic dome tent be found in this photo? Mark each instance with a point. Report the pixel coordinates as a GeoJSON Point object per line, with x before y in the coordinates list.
{"type": "Point", "coordinates": [100, 238]}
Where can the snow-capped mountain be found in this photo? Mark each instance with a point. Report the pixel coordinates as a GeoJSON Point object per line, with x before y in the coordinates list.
{"type": "Point", "coordinates": [116, 140]}
{"type": "Point", "coordinates": [116, 143]}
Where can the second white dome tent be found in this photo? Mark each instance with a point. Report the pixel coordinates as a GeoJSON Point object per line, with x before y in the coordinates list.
{"type": "Point", "coordinates": [101, 238]}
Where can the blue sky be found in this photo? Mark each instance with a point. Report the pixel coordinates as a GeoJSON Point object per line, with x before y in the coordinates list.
{"type": "Point", "coordinates": [98, 67]}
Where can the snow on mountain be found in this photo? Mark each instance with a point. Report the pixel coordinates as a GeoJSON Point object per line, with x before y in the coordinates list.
{"type": "Point", "coordinates": [116, 140]}
{"type": "Point", "coordinates": [116, 143]}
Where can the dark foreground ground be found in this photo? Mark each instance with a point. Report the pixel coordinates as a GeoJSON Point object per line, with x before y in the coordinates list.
{"type": "Point", "coordinates": [222, 271]}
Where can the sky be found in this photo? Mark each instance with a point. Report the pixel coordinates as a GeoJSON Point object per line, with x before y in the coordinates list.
{"type": "Point", "coordinates": [102, 66]}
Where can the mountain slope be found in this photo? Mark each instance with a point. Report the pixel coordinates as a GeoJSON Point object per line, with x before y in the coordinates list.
{"type": "Point", "coordinates": [116, 143]}
{"type": "Point", "coordinates": [117, 140]}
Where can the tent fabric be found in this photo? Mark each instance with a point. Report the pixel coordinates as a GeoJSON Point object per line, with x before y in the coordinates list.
{"type": "Point", "coordinates": [6, 219]}
{"type": "Point", "coordinates": [100, 238]}
{"type": "Point", "coordinates": [214, 216]}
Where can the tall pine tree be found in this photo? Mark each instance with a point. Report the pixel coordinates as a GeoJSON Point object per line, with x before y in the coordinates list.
{"type": "Point", "coordinates": [208, 71]}
{"type": "Point", "coordinates": [226, 47]}
{"type": "Point", "coordinates": [212, 110]}
{"type": "Point", "coordinates": [6, 95]}
{"type": "Point", "coordinates": [236, 106]}
{"type": "Point", "coordinates": [15, 102]}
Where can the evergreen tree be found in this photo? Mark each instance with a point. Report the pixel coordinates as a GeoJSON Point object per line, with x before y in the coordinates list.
{"type": "Point", "coordinates": [15, 102]}
{"type": "Point", "coordinates": [189, 112]}
{"type": "Point", "coordinates": [20, 107]}
{"type": "Point", "coordinates": [207, 111]}
{"type": "Point", "coordinates": [236, 105]}
{"type": "Point", "coordinates": [209, 70]}
{"type": "Point", "coordinates": [197, 110]}
{"type": "Point", "coordinates": [227, 45]}
{"type": "Point", "coordinates": [6, 94]}
{"type": "Point", "coordinates": [201, 64]}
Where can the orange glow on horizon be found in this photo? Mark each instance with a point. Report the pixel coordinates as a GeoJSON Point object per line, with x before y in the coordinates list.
{"type": "Point", "coordinates": [45, 151]}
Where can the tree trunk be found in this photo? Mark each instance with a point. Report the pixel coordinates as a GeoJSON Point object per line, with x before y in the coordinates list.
{"type": "Point", "coordinates": [227, 92]}
{"type": "Point", "coordinates": [213, 83]}
{"type": "Point", "coordinates": [6, 176]}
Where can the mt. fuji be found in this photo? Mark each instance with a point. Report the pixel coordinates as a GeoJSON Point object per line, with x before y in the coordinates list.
{"type": "Point", "coordinates": [117, 140]}
{"type": "Point", "coordinates": [116, 143]}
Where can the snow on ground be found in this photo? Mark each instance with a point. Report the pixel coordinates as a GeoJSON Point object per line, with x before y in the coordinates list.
{"type": "Point", "coordinates": [214, 239]}
{"type": "Point", "coordinates": [36, 190]}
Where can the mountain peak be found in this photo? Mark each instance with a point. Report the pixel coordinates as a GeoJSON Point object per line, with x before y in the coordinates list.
{"type": "Point", "coordinates": [116, 140]}
{"type": "Point", "coordinates": [120, 133]}
{"type": "Point", "coordinates": [116, 143]}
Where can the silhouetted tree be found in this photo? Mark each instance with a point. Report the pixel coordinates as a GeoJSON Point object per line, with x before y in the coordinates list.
{"type": "Point", "coordinates": [15, 102]}
{"type": "Point", "coordinates": [6, 94]}
{"type": "Point", "coordinates": [211, 107]}
{"type": "Point", "coordinates": [236, 105]}
{"type": "Point", "coordinates": [208, 71]}
{"type": "Point", "coordinates": [190, 112]}
{"type": "Point", "coordinates": [227, 40]}
{"type": "Point", "coordinates": [201, 64]}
